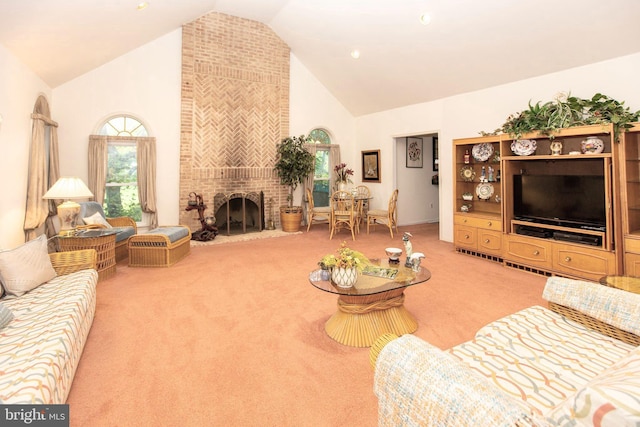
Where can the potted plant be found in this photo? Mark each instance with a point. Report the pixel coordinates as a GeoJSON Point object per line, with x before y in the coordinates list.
{"type": "Point", "coordinates": [344, 265]}
{"type": "Point", "coordinates": [567, 111]}
{"type": "Point", "coordinates": [293, 164]}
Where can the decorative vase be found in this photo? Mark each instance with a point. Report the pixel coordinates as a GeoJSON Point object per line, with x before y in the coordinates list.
{"type": "Point", "coordinates": [342, 186]}
{"type": "Point", "coordinates": [592, 145]}
{"type": "Point", "coordinates": [344, 277]}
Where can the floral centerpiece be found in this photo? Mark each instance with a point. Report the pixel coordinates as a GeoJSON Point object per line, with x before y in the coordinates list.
{"type": "Point", "coordinates": [344, 265]}
{"type": "Point", "coordinates": [343, 173]}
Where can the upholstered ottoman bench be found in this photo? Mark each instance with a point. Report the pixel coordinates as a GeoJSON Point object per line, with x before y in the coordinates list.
{"type": "Point", "coordinates": [160, 247]}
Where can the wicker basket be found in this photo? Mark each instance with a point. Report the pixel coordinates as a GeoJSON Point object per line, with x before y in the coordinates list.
{"type": "Point", "coordinates": [156, 250]}
{"type": "Point", "coordinates": [290, 218]}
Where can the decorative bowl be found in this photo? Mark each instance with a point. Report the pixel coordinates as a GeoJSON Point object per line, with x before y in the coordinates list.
{"type": "Point", "coordinates": [524, 147]}
{"type": "Point", "coordinates": [393, 253]}
{"type": "Point", "coordinates": [592, 145]}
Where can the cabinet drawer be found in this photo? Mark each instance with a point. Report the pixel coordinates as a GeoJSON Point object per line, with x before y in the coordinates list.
{"type": "Point", "coordinates": [486, 223]}
{"type": "Point", "coordinates": [490, 242]}
{"type": "Point", "coordinates": [632, 265]}
{"type": "Point", "coordinates": [583, 262]}
{"type": "Point", "coordinates": [528, 251]}
{"type": "Point", "coordinates": [465, 237]}
{"type": "Point", "coordinates": [632, 245]}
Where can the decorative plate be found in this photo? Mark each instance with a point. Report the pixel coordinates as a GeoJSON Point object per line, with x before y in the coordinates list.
{"type": "Point", "coordinates": [467, 173]}
{"type": "Point", "coordinates": [482, 152]}
{"type": "Point", "coordinates": [484, 191]}
{"type": "Point", "coordinates": [524, 147]}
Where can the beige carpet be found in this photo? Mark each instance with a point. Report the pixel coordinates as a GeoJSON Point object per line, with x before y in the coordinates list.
{"type": "Point", "coordinates": [264, 234]}
{"type": "Point", "coordinates": [233, 335]}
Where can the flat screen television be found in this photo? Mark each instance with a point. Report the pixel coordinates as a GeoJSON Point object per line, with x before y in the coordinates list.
{"type": "Point", "coordinates": [566, 200]}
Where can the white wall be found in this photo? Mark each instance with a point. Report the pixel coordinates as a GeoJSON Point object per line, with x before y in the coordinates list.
{"type": "Point", "coordinates": [467, 114]}
{"type": "Point", "coordinates": [19, 90]}
{"type": "Point", "coordinates": [144, 83]}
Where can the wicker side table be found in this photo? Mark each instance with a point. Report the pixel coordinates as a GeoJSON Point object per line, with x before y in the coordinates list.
{"type": "Point", "coordinates": [102, 240]}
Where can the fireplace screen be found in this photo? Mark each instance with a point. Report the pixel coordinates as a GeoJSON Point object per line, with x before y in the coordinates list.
{"type": "Point", "coordinates": [239, 213]}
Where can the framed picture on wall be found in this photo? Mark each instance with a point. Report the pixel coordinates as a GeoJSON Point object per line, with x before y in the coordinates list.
{"type": "Point", "coordinates": [371, 166]}
{"type": "Point", "coordinates": [415, 152]}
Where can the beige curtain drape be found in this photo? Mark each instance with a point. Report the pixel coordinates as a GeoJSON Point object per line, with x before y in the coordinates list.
{"type": "Point", "coordinates": [54, 175]}
{"type": "Point", "coordinates": [98, 166]}
{"type": "Point", "coordinates": [334, 159]}
{"type": "Point", "coordinates": [44, 171]}
{"type": "Point", "coordinates": [308, 182]}
{"type": "Point", "coordinates": [147, 178]}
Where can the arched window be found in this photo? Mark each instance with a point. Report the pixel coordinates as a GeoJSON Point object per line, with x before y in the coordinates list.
{"type": "Point", "coordinates": [320, 136]}
{"type": "Point", "coordinates": [124, 135]}
{"type": "Point", "coordinates": [321, 175]}
{"type": "Point", "coordinates": [123, 126]}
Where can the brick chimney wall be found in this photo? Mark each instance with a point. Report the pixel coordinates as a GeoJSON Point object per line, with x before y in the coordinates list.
{"type": "Point", "coordinates": [235, 109]}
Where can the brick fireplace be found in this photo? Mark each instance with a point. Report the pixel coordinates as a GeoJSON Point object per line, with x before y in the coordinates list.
{"type": "Point", "coordinates": [235, 109]}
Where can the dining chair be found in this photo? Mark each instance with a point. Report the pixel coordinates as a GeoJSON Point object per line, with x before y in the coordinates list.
{"type": "Point", "coordinates": [387, 217]}
{"type": "Point", "coordinates": [343, 213]}
{"type": "Point", "coordinates": [318, 214]}
{"type": "Point", "coordinates": [362, 196]}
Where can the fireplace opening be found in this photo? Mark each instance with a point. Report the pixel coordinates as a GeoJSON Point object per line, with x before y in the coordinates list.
{"type": "Point", "coordinates": [239, 213]}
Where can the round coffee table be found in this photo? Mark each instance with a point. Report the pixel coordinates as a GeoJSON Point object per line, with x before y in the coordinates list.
{"type": "Point", "coordinates": [373, 306]}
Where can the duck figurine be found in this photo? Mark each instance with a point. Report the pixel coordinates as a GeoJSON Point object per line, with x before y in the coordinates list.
{"type": "Point", "coordinates": [416, 258]}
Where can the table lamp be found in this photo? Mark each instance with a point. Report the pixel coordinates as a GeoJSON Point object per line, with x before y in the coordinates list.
{"type": "Point", "coordinates": [68, 188]}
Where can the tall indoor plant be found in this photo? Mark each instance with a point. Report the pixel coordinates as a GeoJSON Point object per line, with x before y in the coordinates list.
{"type": "Point", "coordinates": [293, 164]}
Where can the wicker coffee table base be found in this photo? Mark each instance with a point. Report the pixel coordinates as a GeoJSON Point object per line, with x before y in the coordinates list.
{"type": "Point", "coordinates": [360, 320]}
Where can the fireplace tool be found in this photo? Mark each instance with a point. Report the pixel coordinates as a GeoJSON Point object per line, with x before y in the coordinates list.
{"type": "Point", "coordinates": [270, 224]}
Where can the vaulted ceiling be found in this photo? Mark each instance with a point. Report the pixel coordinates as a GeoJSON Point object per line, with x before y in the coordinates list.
{"type": "Point", "coordinates": [468, 45]}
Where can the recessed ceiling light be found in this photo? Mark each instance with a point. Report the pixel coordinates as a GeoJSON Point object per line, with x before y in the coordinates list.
{"type": "Point", "coordinates": [355, 54]}
{"type": "Point", "coordinates": [425, 18]}
{"type": "Point", "coordinates": [142, 5]}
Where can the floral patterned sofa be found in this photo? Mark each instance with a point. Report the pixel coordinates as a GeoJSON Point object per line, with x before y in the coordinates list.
{"type": "Point", "coordinates": [537, 367]}
{"type": "Point", "coordinates": [44, 324]}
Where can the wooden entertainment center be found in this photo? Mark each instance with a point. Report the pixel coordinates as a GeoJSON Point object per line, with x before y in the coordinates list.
{"type": "Point", "coordinates": [506, 200]}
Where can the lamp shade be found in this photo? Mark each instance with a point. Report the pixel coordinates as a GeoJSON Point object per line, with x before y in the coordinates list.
{"type": "Point", "coordinates": [68, 187]}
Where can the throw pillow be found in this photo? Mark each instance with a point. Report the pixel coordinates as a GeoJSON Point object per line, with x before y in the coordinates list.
{"type": "Point", "coordinates": [6, 316]}
{"type": "Point", "coordinates": [26, 267]}
{"type": "Point", "coordinates": [608, 400]}
{"type": "Point", "coordinates": [96, 219]}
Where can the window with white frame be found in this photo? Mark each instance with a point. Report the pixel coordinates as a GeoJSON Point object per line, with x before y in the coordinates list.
{"type": "Point", "coordinates": [121, 192]}
{"type": "Point", "coordinates": [321, 178]}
